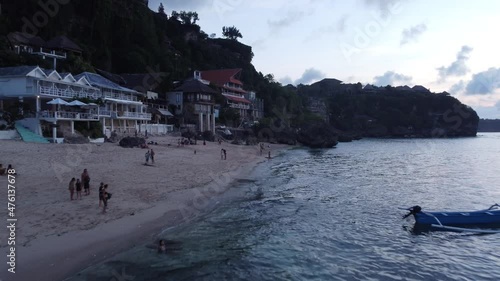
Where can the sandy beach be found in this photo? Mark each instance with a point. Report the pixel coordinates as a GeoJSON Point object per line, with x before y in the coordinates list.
{"type": "Point", "coordinates": [56, 237]}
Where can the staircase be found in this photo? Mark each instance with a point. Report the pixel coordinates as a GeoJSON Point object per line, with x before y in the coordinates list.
{"type": "Point", "coordinates": [29, 136]}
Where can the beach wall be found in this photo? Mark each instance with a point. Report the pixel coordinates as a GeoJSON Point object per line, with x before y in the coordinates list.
{"type": "Point", "coordinates": [9, 135]}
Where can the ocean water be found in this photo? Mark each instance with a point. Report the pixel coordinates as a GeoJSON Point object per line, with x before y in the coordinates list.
{"type": "Point", "coordinates": [333, 215]}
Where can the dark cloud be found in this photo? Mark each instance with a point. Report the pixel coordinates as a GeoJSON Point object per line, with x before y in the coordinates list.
{"type": "Point", "coordinates": [412, 33]}
{"type": "Point", "coordinates": [458, 67]}
{"type": "Point", "coordinates": [391, 78]}
{"type": "Point", "coordinates": [484, 83]}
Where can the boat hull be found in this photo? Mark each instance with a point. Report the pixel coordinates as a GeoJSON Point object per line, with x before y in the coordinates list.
{"type": "Point", "coordinates": [478, 218]}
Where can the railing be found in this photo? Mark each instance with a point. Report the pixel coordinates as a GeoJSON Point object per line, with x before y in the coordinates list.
{"type": "Point", "coordinates": [104, 113]}
{"type": "Point", "coordinates": [119, 96]}
{"type": "Point", "coordinates": [68, 115]}
{"type": "Point", "coordinates": [240, 106]}
{"type": "Point", "coordinates": [134, 115]}
{"type": "Point", "coordinates": [67, 93]}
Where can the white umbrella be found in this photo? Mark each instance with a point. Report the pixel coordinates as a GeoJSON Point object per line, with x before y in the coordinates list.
{"type": "Point", "coordinates": [58, 101]}
{"type": "Point", "coordinates": [77, 103]}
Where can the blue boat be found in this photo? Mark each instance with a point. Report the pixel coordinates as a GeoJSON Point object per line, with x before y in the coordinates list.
{"type": "Point", "coordinates": [460, 221]}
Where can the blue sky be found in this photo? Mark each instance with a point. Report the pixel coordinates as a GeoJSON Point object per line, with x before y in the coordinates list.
{"type": "Point", "coordinates": [443, 45]}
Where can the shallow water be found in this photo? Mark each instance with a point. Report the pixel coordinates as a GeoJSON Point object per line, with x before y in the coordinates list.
{"type": "Point", "coordinates": [333, 215]}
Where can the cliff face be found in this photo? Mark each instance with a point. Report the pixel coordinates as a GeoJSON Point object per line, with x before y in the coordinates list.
{"type": "Point", "coordinates": [391, 112]}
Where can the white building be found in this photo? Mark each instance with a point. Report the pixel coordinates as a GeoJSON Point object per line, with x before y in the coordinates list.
{"type": "Point", "coordinates": [31, 87]}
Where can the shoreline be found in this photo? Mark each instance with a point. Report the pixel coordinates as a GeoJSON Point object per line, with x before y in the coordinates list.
{"type": "Point", "coordinates": [69, 252]}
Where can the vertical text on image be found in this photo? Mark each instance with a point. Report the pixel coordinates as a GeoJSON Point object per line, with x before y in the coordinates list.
{"type": "Point", "coordinates": [11, 220]}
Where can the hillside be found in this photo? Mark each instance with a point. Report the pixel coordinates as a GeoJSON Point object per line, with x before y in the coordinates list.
{"type": "Point", "coordinates": [125, 36]}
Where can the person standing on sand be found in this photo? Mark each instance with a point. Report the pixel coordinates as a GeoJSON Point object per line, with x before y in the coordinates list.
{"type": "Point", "coordinates": [86, 181]}
{"type": "Point", "coordinates": [147, 157]}
{"type": "Point", "coordinates": [78, 185]}
{"type": "Point", "coordinates": [224, 153]}
{"type": "Point", "coordinates": [72, 188]}
{"type": "Point", "coordinates": [101, 188]}
{"type": "Point", "coordinates": [152, 156]}
{"type": "Point", "coordinates": [104, 200]}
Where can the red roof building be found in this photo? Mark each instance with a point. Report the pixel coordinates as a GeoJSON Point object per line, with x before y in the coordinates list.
{"type": "Point", "coordinates": [229, 84]}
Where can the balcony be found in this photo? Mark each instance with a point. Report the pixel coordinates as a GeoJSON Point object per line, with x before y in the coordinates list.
{"type": "Point", "coordinates": [133, 115]}
{"type": "Point", "coordinates": [239, 106]}
{"type": "Point", "coordinates": [67, 93]}
{"type": "Point", "coordinates": [63, 115]}
{"type": "Point", "coordinates": [119, 96]}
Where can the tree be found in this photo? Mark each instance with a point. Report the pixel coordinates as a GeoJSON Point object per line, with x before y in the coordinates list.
{"type": "Point", "coordinates": [175, 15]}
{"type": "Point", "coordinates": [161, 9]}
{"type": "Point", "coordinates": [189, 18]}
{"type": "Point", "coordinates": [231, 32]}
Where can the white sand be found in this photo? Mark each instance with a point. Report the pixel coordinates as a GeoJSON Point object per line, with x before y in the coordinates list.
{"type": "Point", "coordinates": [62, 236]}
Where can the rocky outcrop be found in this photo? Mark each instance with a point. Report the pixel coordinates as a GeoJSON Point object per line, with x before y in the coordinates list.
{"type": "Point", "coordinates": [132, 142]}
{"type": "Point", "coordinates": [317, 135]}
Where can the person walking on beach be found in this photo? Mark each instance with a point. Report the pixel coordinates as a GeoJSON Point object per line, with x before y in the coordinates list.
{"type": "Point", "coordinates": [222, 154]}
{"type": "Point", "coordinates": [152, 156]}
{"type": "Point", "coordinates": [105, 197]}
{"type": "Point", "coordinates": [78, 185]}
{"type": "Point", "coordinates": [86, 181]}
{"type": "Point", "coordinates": [72, 188]}
{"type": "Point", "coordinates": [147, 156]}
{"type": "Point", "coordinates": [101, 189]}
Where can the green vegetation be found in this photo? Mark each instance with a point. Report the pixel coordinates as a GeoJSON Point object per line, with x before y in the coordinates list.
{"type": "Point", "coordinates": [125, 36]}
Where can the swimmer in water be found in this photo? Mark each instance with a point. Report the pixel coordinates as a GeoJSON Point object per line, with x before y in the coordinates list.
{"type": "Point", "coordinates": [162, 248]}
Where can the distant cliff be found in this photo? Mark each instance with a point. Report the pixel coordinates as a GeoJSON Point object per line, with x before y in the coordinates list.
{"type": "Point", "coordinates": [489, 125]}
{"type": "Point", "coordinates": [389, 111]}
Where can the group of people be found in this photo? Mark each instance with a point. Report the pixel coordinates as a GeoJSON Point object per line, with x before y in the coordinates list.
{"type": "Point", "coordinates": [150, 154]}
{"type": "Point", "coordinates": [77, 184]}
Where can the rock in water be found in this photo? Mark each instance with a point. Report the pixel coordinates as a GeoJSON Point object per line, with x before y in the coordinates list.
{"type": "Point", "coordinates": [317, 135]}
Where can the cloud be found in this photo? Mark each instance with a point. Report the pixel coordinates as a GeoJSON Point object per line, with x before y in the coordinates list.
{"type": "Point", "coordinates": [458, 67]}
{"type": "Point", "coordinates": [484, 83]}
{"type": "Point", "coordinates": [286, 80]}
{"type": "Point", "coordinates": [497, 105]}
{"type": "Point", "coordinates": [341, 23]}
{"type": "Point", "coordinates": [290, 18]}
{"type": "Point", "coordinates": [458, 87]}
{"type": "Point", "coordinates": [384, 7]}
{"type": "Point", "coordinates": [390, 78]}
{"type": "Point", "coordinates": [412, 33]}
{"type": "Point", "coordinates": [338, 26]}
{"type": "Point", "coordinates": [310, 75]}
{"type": "Point", "coordinates": [178, 5]}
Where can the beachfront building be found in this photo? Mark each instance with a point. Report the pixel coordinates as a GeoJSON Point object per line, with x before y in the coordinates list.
{"type": "Point", "coordinates": [228, 82]}
{"type": "Point", "coordinates": [157, 104]}
{"type": "Point", "coordinates": [197, 106]}
{"type": "Point", "coordinates": [46, 99]}
{"type": "Point", "coordinates": [30, 90]}
{"type": "Point", "coordinates": [56, 48]}
{"type": "Point", "coordinates": [256, 111]}
{"type": "Point", "coordinates": [121, 110]}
